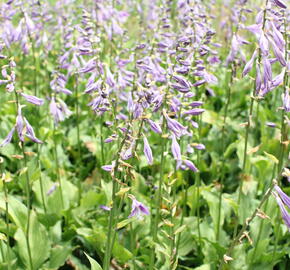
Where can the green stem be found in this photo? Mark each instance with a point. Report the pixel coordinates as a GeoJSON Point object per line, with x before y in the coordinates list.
{"type": "Point", "coordinates": [109, 243]}
{"type": "Point", "coordinates": [159, 198]}
{"type": "Point", "coordinates": [77, 111]}
{"type": "Point", "coordinates": [57, 167]}
{"type": "Point", "coordinates": [6, 221]}
{"type": "Point", "coordinates": [132, 243]}
{"type": "Point", "coordinates": [233, 74]}
{"type": "Point", "coordinates": [183, 214]}
{"type": "Point", "coordinates": [261, 224]}
{"type": "Point", "coordinates": [40, 179]}
{"type": "Point", "coordinates": [28, 199]}
{"type": "Point", "coordinates": [28, 205]}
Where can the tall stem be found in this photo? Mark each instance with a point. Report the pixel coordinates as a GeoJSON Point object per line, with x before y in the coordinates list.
{"type": "Point", "coordinates": [110, 243]}
{"type": "Point", "coordinates": [28, 190]}
{"type": "Point", "coordinates": [28, 205]}
{"type": "Point", "coordinates": [77, 111]}
{"type": "Point", "coordinates": [229, 90]}
{"type": "Point", "coordinates": [57, 166]}
{"type": "Point", "coordinates": [6, 218]}
{"type": "Point", "coordinates": [158, 200]}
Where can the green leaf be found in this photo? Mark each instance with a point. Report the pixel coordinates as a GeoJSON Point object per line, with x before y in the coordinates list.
{"type": "Point", "coordinates": [59, 255]}
{"type": "Point", "coordinates": [94, 264]}
{"type": "Point", "coordinates": [39, 243]}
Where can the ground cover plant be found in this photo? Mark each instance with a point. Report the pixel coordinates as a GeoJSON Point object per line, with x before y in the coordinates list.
{"type": "Point", "coordinates": [144, 134]}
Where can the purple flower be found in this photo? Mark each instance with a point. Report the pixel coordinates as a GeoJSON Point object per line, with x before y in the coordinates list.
{"type": "Point", "coordinates": [199, 146]}
{"type": "Point", "coordinates": [175, 149]}
{"type": "Point", "coordinates": [278, 80]}
{"type": "Point", "coordinates": [108, 168]}
{"type": "Point", "coordinates": [138, 208]}
{"type": "Point", "coordinates": [258, 79]}
{"type": "Point", "coordinates": [51, 190]}
{"type": "Point", "coordinates": [154, 126]}
{"type": "Point", "coordinates": [196, 103]}
{"type": "Point", "coordinates": [175, 126]}
{"type": "Point", "coordinates": [190, 165]}
{"type": "Point", "coordinates": [59, 110]}
{"type": "Point", "coordinates": [271, 124]}
{"type": "Point", "coordinates": [264, 44]}
{"type": "Point", "coordinates": [286, 101]}
{"type": "Point", "coordinates": [20, 124]}
{"type": "Point", "coordinates": [249, 65]}
{"type": "Point", "coordinates": [194, 112]}
{"type": "Point", "coordinates": [147, 151]}
{"type": "Point", "coordinates": [278, 53]}
{"type": "Point", "coordinates": [106, 208]}
{"type": "Point", "coordinates": [278, 38]}
{"type": "Point", "coordinates": [8, 138]}
{"type": "Point", "coordinates": [30, 132]}
{"type": "Point", "coordinates": [267, 69]}
{"type": "Point", "coordinates": [284, 197]}
{"type": "Point", "coordinates": [284, 212]}
{"type": "Point", "coordinates": [280, 3]}
{"type": "Point", "coordinates": [32, 99]}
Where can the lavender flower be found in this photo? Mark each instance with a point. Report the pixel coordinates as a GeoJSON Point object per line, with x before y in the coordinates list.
{"type": "Point", "coordinates": [286, 101]}
{"type": "Point", "coordinates": [249, 65]}
{"type": "Point", "coordinates": [175, 126]}
{"type": "Point", "coordinates": [108, 168]}
{"type": "Point", "coordinates": [106, 208]}
{"type": "Point", "coordinates": [271, 124]}
{"type": "Point", "coordinates": [8, 138]}
{"type": "Point", "coordinates": [154, 126]}
{"type": "Point", "coordinates": [20, 124]}
{"type": "Point", "coordinates": [147, 151]}
{"type": "Point", "coordinates": [51, 190]}
{"type": "Point", "coordinates": [59, 110]}
{"type": "Point", "coordinates": [284, 212]}
{"type": "Point", "coordinates": [30, 132]}
{"type": "Point", "coordinates": [32, 99]}
{"type": "Point", "coordinates": [280, 4]}
{"type": "Point", "coordinates": [175, 149]}
{"type": "Point", "coordinates": [199, 146]}
{"type": "Point", "coordinates": [194, 111]}
{"type": "Point", "coordinates": [138, 208]}
{"type": "Point", "coordinates": [190, 165]}
{"type": "Point", "coordinates": [284, 197]}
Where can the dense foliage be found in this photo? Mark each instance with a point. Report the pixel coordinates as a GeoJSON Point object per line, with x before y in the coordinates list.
{"type": "Point", "coordinates": [144, 134]}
